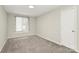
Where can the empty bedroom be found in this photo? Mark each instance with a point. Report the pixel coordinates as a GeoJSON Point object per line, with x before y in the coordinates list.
{"type": "Point", "coordinates": [39, 28]}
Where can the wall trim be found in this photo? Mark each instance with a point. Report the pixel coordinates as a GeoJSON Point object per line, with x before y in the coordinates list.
{"type": "Point", "coordinates": [59, 43]}
{"type": "Point", "coordinates": [49, 40]}
{"type": "Point", "coordinates": [9, 37]}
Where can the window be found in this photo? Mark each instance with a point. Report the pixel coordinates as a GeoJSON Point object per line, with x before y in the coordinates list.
{"type": "Point", "coordinates": [22, 24]}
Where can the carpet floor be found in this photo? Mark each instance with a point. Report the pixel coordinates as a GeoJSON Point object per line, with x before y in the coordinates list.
{"type": "Point", "coordinates": [33, 44]}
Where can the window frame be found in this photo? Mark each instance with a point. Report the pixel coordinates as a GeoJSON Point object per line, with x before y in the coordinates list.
{"type": "Point", "coordinates": [23, 24]}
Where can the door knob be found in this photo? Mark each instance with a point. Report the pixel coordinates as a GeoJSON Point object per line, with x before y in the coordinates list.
{"type": "Point", "coordinates": [73, 30]}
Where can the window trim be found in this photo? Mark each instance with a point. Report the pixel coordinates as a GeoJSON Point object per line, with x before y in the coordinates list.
{"type": "Point", "coordinates": [28, 23]}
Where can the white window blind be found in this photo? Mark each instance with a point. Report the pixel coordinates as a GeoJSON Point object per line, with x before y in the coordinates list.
{"type": "Point", "coordinates": [22, 24]}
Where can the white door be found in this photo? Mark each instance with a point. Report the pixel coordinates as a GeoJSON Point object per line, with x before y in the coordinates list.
{"type": "Point", "coordinates": [68, 27]}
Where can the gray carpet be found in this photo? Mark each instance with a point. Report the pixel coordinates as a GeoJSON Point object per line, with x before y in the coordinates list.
{"type": "Point", "coordinates": [33, 44]}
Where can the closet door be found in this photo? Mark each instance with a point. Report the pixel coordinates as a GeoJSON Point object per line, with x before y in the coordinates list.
{"type": "Point", "coordinates": [68, 27]}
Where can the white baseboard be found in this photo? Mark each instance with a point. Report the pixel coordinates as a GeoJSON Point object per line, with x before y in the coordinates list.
{"type": "Point", "coordinates": [3, 45]}
{"type": "Point", "coordinates": [21, 35]}
{"type": "Point", "coordinates": [49, 39]}
{"type": "Point", "coordinates": [76, 50]}
{"type": "Point", "coordinates": [59, 43]}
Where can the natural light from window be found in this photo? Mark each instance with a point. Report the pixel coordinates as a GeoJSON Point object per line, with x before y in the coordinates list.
{"type": "Point", "coordinates": [22, 24]}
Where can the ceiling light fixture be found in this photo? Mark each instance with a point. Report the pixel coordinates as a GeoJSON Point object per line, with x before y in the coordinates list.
{"type": "Point", "coordinates": [31, 6]}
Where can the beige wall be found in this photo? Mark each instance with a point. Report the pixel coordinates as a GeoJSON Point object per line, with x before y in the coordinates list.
{"type": "Point", "coordinates": [48, 26]}
{"type": "Point", "coordinates": [12, 27]}
{"type": "Point", "coordinates": [3, 27]}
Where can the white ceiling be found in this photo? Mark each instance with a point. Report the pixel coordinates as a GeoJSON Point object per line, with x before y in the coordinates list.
{"type": "Point", "coordinates": [24, 10]}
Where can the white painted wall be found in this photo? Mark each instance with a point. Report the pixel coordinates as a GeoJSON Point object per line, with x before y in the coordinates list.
{"type": "Point", "coordinates": [3, 27]}
{"type": "Point", "coordinates": [32, 26]}
{"type": "Point", "coordinates": [48, 26]}
{"type": "Point", "coordinates": [78, 27]}
{"type": "Point", "coordinates": [12, 27]}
